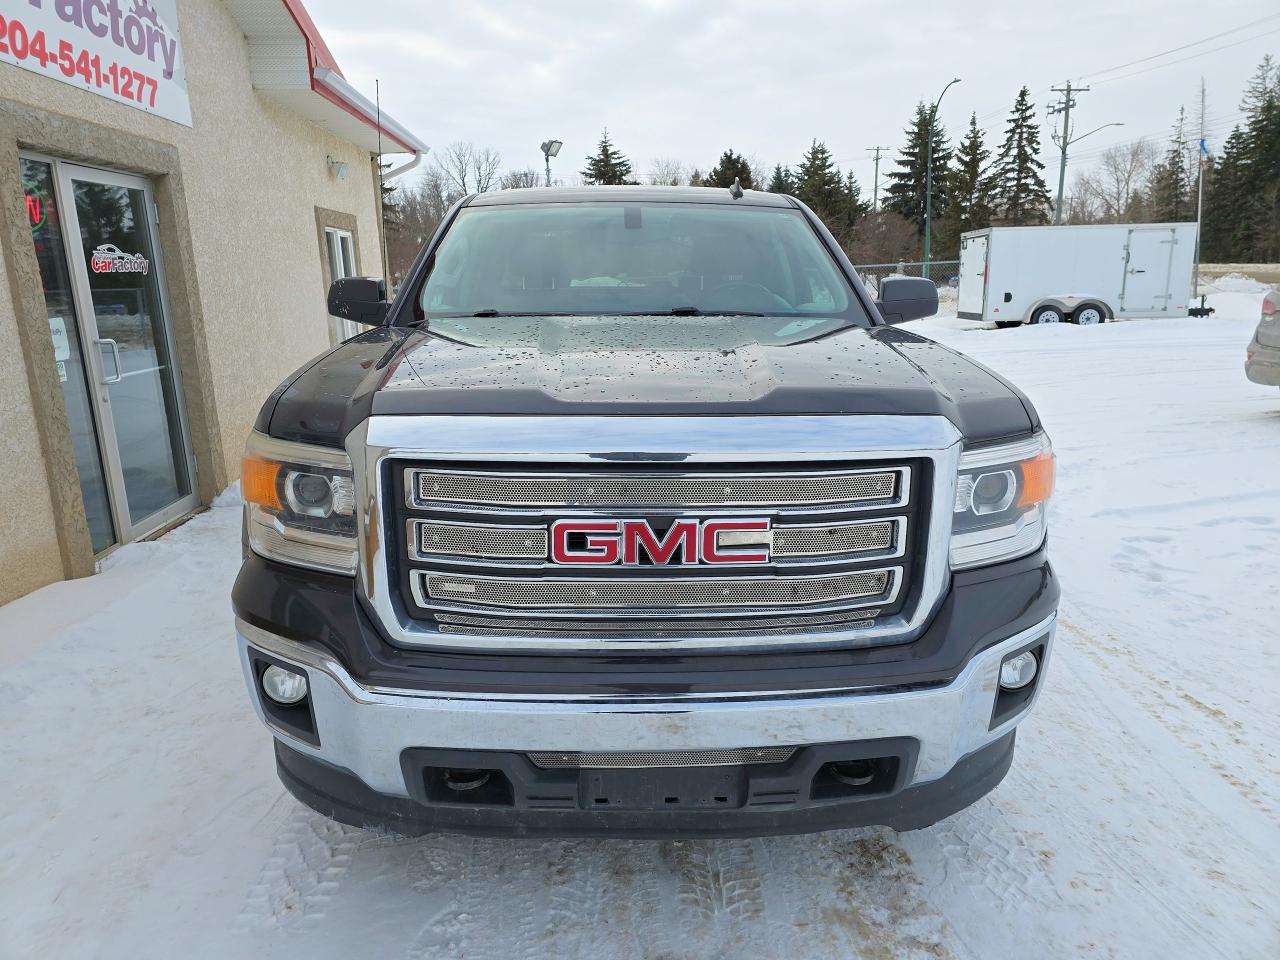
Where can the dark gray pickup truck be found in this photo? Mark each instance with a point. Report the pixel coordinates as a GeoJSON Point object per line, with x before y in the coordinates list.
{"type": "Point", "coordinates": [634, 514]}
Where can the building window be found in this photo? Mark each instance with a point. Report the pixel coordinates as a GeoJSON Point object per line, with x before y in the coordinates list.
{"type": "Point", "coordinates": [340, 250]}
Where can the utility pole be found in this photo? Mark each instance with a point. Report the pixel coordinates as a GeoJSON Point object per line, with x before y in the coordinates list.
{"type": "Point", "coordinates": [875, 180]}
{"type": "Point", "coordinates": [1063, 107]}
{"type": "Point", "coordinates": [1202, 154]}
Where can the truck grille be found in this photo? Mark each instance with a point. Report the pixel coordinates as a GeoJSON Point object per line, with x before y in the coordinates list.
{"type": "Point", "coordinates": [631, 593]}
{"type": "Point", "coordinates": [475, 547]}
{"type": "Point", "coordinates": [518, 491]}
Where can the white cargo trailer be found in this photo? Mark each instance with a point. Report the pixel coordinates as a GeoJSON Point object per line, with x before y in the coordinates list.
{"type": "Point", "coordinates": [1082, 274]}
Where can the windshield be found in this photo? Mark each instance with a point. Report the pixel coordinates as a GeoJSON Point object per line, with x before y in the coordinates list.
{"type": "Point", "coordinates": [639, 259]}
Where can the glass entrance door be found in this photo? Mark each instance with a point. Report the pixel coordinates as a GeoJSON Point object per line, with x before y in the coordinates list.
{"type": "Point", "coordinates": [115, 328]}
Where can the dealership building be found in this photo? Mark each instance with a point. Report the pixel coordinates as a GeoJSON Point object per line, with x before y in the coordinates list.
{"type": "Point", "coordinates": [180, 180]}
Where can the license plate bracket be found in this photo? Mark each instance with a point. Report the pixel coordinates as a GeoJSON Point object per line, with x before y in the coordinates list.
{"type": "Point", "coordinates": [662, 788]}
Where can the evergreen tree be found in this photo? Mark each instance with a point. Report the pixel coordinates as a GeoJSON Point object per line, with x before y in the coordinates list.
{"type": "Point", "coordinates": [608, 167]}
{"type": "Point", "coordinates": [968, 192]}
{"type": "Point", "coordinates": [1226, 203]}
{"type": "Point", "coordinates": [852, 209]}
{"type": "Point", "coordinates": [1261, 228]}
{"type": "Point", "coordinates": [905, 193]}
{"type": "Point", "coordinates": [818, 183]}
{"type": "Point", "coordinates": [1019, 196]}
{"type": "Point", "coordinates": [731, 166]}
{"type": "Point", "coordinates": [390, 205]}
{"type": "Point", "coordinates": [782, 180]}
{"type": "Point", "coordinates": [1171, 195]}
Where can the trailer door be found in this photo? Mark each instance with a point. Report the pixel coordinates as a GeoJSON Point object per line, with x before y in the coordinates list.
{"type": "Point", "coordinates": [973, 275]}
{"type": "Point", "coordinates": [1148, 263]}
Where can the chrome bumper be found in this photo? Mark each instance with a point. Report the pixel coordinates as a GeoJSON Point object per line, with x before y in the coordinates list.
{"type": "Point", "coordinates": [365, 729]}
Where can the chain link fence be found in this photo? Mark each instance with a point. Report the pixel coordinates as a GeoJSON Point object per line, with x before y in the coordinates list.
{"type": "Point", "coordinates": [944, 274]}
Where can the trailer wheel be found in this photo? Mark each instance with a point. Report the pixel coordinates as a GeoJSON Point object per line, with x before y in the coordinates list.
{"type": "Point", "coordinates": [1088, 314]}
{"type": "Point", "coordinates": [1004, 324]}
{"type": "Point", "coordinates": [1047, 314]}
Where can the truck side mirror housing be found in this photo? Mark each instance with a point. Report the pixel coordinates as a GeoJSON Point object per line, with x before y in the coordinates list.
{"type": "Point", "coordinates": [907, 298]}
{"type": "Point", "coordinates": [362, 299]}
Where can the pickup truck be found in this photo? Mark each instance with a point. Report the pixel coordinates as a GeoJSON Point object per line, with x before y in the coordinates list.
{"type": "Point", "coordinates": [632, 514]}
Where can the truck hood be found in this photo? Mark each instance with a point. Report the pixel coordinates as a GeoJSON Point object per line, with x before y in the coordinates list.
{"type": "Point", "coordinates": [551, 369]}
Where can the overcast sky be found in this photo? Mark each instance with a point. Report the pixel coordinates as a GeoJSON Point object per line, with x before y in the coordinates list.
{"type": "Point", "coordinates": [689, 79]}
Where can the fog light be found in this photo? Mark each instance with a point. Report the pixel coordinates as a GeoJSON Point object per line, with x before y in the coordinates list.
{"type": "Point", "coordinates": [283, 686]}
{"type": "Point", "coordinates": [1017, 672]}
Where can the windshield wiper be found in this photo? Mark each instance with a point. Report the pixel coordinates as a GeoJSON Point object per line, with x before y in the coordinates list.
{"type": "Point", "coordinates": [494, 312]}
{"type": "Point", "coordinates": [696, 312]}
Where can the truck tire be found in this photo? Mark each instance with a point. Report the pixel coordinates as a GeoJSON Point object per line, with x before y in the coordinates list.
{"type": "Point", "coordinates": [1088, 314]}
{"type": "Point", "coordinates": [1047, 314]}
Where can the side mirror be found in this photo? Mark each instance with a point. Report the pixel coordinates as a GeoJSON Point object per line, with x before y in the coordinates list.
{"type": "Point", "coordinates": [362, 299]}
{"type": "Point", "coordinates": [907, 298]}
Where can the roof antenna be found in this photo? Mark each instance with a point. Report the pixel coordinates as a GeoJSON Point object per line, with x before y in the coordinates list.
{"type": "Point", "coordinates": [736, 190]}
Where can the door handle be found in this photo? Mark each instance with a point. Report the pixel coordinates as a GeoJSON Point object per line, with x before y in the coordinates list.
{"type": "Point", "coordinates": [115, 355]}
{"type": "Point", "coordinates": [1137, 271]}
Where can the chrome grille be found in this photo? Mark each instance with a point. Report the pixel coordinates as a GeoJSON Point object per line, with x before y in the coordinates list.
{"type": "Point", "coordinates": [478, 541]}
{"type": "Point", "coordinates": [510, 490]}
{"type": "Point", "coordinates": [834, 538]}
{"type": "Point", "coordinates": [520, 624]}
{"type": "Point", "coordinates": [663, 758]}
{"type": "Point", "coordinates": [475, 540]}
{"type": "Point", "coordinates": [488, 541]}
{"type": "Point", "coordinates": [477, 626]}
{"type": "Point", "coordinates": [638, 592]}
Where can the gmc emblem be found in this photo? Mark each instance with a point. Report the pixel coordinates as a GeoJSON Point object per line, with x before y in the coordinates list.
{"type": "Point", "coordinates": [625, 541]}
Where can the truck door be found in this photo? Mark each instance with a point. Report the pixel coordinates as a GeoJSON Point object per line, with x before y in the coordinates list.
{"type": "Point", "coordinates": [1148, 262]}
{"type": "Point", "coordinates": [973, 276]}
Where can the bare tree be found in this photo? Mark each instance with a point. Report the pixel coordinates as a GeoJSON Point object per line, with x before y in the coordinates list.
{"type": "Point", "coordinates": [1115, 188]}
{"type": "Point", "coordinates": [468, 168]}
{"type": "Point", "coordinates": [884, 237]}
{"type": "Point", "coordinates": [518, 179]}
{"type": "Point", "coordinates": [668, 172]}
{"type": "Point", "coordinates": [484, 169]}
{"type": "Point", "coordinates": [421, 206]}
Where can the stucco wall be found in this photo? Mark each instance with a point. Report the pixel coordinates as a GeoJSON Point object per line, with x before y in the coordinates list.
{"type": "Point", "coordinates": [252, 176]}
{"type": "Point", "coordinates": [30, 556]}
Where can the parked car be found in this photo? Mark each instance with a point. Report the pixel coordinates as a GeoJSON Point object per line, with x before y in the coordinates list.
{"type": "Point", "coordinates": [1085, 274]}
{"type": "Point", "coordinates": [1262, 360]}
{"type": "Point", "coordinates": [634, 514]}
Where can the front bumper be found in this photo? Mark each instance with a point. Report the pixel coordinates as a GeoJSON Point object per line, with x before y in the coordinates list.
{"type": "Point", "coordinates": [360, 736]}
{"type": "Point", "coordinates": [1264, 365]}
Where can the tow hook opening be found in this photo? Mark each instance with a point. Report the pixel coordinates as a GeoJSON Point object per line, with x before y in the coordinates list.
{"type": "Point", "coordinates": [464, 779]}
{"type": "Point", "coordinates": [865, 776]}
{"type": "Point", "coordinates": [469, 786]}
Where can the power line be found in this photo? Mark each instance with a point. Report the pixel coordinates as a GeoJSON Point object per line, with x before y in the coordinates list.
{"type": "Point", "coordinates": [1185, 46]}
{"type": "Point", "coordinates": [1202, 53]}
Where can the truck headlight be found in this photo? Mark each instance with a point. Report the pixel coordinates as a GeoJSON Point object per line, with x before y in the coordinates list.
{"type": "Point", "coordinates": [299, 504]}
{"type": "Point", "coordinates": [1002, 492]}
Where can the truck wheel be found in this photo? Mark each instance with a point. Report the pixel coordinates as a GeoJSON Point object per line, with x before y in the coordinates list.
{"type": "Point", "coordinates": [1088, 314]}
{"type": "Point", "coordinates": [1003, 324]}
{"type": "Point", "coordinates": [1047, 314]}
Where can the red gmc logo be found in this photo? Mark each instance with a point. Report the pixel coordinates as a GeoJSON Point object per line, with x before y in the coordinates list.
{"type": "Point", "coordinates": [625, 541]}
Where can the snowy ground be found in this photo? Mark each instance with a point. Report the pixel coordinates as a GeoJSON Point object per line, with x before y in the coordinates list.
{"type": "Point", "coordinates": [140, 815]}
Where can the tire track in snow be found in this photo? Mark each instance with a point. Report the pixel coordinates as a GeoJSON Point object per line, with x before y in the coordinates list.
{"type": "Point", "coordinates": [310, 856]}
{"type": "Point", "coordinates": [493, 897]}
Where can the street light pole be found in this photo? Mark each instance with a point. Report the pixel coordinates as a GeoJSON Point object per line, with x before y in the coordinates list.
{"type": "Point", "coordinates": [549, 149]}
{"type": "Point", "coordinates": [1064, 143]}
{"type": "Point", "coordinates": [928, 176]}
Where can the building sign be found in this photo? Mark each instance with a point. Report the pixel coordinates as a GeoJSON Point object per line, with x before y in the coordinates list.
{"type": "Point", "coordinates": [108, 258]}
{"type": "Point", "coordinates": [125, 50]}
